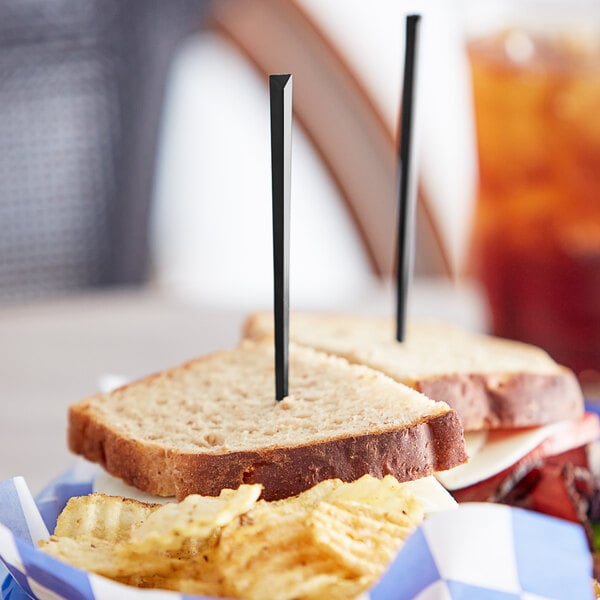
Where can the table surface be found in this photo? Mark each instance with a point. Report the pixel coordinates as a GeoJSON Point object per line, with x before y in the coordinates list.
{"type": "Point", "coordinates": [54, 353]}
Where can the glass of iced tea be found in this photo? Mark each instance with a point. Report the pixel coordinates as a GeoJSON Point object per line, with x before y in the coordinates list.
{"type": "Point", "coordinates": [536, 241]}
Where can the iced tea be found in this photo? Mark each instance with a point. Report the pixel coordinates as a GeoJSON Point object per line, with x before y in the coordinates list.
{"type": "Point", "coordinates": [537, 224]}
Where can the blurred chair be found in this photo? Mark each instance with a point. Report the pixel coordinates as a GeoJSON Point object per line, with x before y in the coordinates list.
{"type": "Point", "coordinates": [340, 118]}
{"type": "Point", "coordinates": [81, 86]}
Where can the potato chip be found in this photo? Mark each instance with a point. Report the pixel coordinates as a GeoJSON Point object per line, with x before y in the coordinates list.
{"type": "Point", "coordinates": [361, 538]}
{"type": "Point", "coordinates": [103, 517]}
{"type": "Point", "coordinates": [387, 494]}
{"type": "Point", "coordinates": [90, 554]}
{"type": "Point", "coordinates": [141, 570]}
{"type": "Point", "coordinates": [267, 553]}
{"type": "Point", "coordinates": [311, 497]}
{"type": "Point", "coordinates": [185, 580]}
{"type": "Point", "coordinates": [93, 533]}
{"type": "Point", "coordinates": [195, 517]}
{"type": "Point", "coordinates": [192, 585]}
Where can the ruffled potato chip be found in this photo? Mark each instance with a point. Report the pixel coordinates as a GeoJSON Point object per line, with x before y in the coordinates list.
{"type": "Point", "coordinates": [196, 517]}
{"type": "Point", "coordinates": [108, 518]}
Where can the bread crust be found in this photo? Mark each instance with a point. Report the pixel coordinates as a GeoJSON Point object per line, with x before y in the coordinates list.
{"type": "Point", "coordinates": [409, 453]}
{"type": "Point", "coordinates": [508, 401]}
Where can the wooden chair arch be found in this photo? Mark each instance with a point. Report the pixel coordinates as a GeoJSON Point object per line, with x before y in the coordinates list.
{"type": "Point", "coordinates": [340, 119]}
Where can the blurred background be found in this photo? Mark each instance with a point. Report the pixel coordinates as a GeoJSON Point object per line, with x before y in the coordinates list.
{"type": "Point", "coordinates": [136, 145]}
{"type": "Point", "coordinates": [134, 138]}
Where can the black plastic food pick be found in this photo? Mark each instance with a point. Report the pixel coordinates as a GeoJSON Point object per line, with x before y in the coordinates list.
{"type": "Point", "coordinates": [280, 87]}
{"type": "Point", "coordinates": [406, 187]}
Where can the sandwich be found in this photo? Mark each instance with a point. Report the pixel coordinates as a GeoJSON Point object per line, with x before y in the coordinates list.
{"type": "Point", "coordinates": [308, 497]}
{"type": "Point", "coordinates": [214, 423]}
{"type": "Point", "coordinates": [529, 439]}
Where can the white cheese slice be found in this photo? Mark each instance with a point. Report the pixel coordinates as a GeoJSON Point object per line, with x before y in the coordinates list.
{"type": "Point", "coordinates": [503, 449]}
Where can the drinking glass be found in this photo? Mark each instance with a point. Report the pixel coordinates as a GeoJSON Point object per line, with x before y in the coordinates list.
{"type": "Point", "coordinates": [535, 71]}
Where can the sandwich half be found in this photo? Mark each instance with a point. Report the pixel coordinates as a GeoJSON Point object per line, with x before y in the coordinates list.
{"type": "Point", "coordinates": [528, 436]}
{"type": "Point", "coordinates": [214, 423]}
{"type": "Point", "coordinates": [492, 383]}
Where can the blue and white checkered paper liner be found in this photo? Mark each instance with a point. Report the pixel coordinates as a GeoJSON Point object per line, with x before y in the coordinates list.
{"type": "Point", "coordinates": [477, 552]}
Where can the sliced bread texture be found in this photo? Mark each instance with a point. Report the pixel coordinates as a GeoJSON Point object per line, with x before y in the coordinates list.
{"type": "Point", "coordinates": [214, 423]}
{"type": "Point", "coordinates": [492, 383]}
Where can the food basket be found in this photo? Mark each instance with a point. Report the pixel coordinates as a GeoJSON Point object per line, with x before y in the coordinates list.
{"type": "Point", "coordinates": [475, 552]}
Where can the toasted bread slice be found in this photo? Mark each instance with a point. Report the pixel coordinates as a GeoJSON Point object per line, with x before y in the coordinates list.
{"type": "Point", "coordinates": [492, 383]}
{"type": "Point", "coordinates": [214, 423]}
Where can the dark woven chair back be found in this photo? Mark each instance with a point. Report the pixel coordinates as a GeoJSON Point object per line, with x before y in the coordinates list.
{"type": "Point", "coordinates": [81, 88]}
